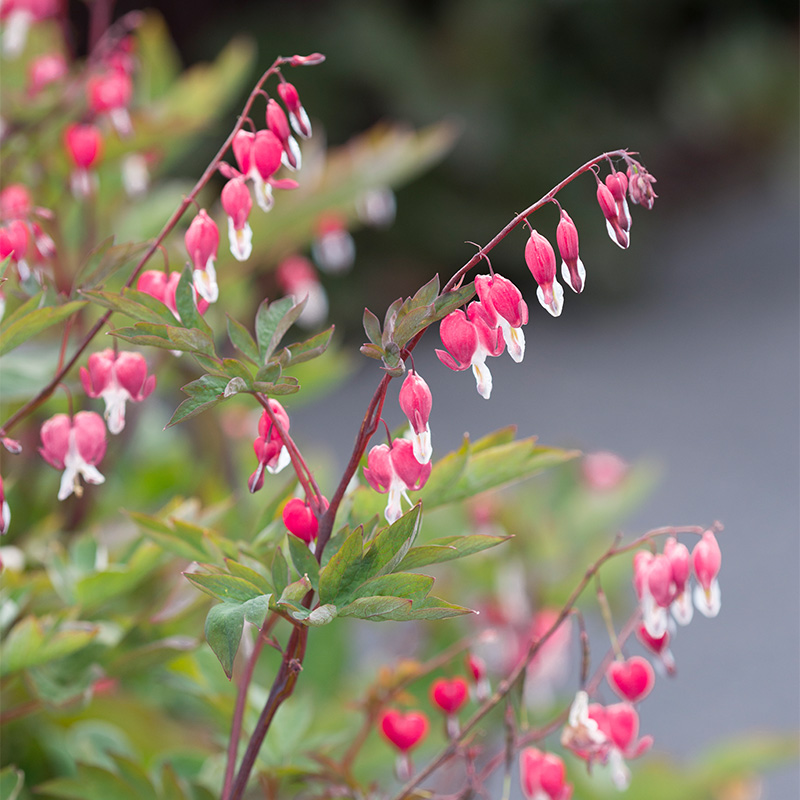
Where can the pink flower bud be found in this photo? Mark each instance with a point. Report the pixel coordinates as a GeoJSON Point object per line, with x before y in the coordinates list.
{"type": "Point", "coordinates": [660, 581]}
{"type": "Point", "coordinates": [307, 61]}
{"type": "Point", "coordinates": [608, 205]}
{"type": "Point", "coordinates": [75, 445]}
{"type": "Point", "coordinates": [541, 261]}
{"type": "Point", "coordinates": [84, 144]}
{"type": "Point", "coordinates": [449, 695]}
{"type": "Point", "coordinates": [572, 270]}
{"type": "Point", "coordinates": [117, 378]}
{"type": "Point", "coordinates": [300, 521]}
{"type": "Point", "coordinates": [44, 70]}
{"type": "Point", "coordinates": [416, 402]}
{"type": "Point", "coordinates": [242, 147]}
{"type": "Point", "coordinates": [236, 202]}
{"type": "Point", "coordinates": [279, 125]}
{"type": "Point", "coordinates": [297, 114]}
{"type": "Point", "coordinates": [403, 731]}
{"type": "Point", "coordinates": [202, 241]}
{"type": "Point", "coordinates": [543, 776]}
{"type": "Point", "coordinates": [509, 312]}
{"type": "Point", "coordinates": [640, 186]}
{"type": "Point", "coordinates": [617, 182]}
{"type": "Point", "coordinates": [707, 560]}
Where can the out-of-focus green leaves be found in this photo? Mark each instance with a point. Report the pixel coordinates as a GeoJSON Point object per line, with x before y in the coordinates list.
{"type": "Point", "coordinates": [105, 260]}
{"type": "Point", "coordinates": [34, 641]}
{"type": "Point", "coordinates": [31, 319]}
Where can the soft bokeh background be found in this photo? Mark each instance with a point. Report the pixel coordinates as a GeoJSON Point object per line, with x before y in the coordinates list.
{"type": "Point", "coordinates": [683, 350]}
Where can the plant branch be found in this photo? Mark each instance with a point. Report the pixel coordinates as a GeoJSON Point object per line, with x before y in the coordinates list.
{"type": "Point", "coordinates": [505, 686]}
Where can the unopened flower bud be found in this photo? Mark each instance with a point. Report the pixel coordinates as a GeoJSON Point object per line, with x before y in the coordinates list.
{"type": "Point", "coordinates": [416, 401]}
{"type": "Point", "coordinates": [541, 261]}
{"type": "Point", "coordinates": [572, 269]}
{"type": "Point", "coordinates": [202, 242]}
{"type": "Point", "coordinates": [297, 114]}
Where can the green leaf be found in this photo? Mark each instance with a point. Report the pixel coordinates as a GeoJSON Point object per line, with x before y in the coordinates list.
{"type": "Point", "coordinates": [309, 349]}
{"type": "Point", "coordinates": [23, 328]}
{"type": "Point", "coordinates": [321, 615]}
{"type": "Point", "coordinates": [369, 607]}
{"type": "Point", "coordinates": [492, 467]}
{"type": "Point", "coordinates": [344, 572]}
{"type": "Point", "coordinates": [11, 782]}
{"type": "Point", "coordinates": [295, 592]}
{"type": "Point", "coordinates": [34, 641]}
{"type": "Point", "coordinates": [426, 294]}
{"type": "Point", "coordinates": [372, 351]}
{"type": "Point", "coordinates": [280, 572]}
{"type": "Point", "coordinates": [167, 337]}
{"type": "Point", "coordinates": [269, 373]}
{"type": "Point", "coordinates": [450, 301]}
{"type": "Point", "coordinates": [431, 608]}
{"type": "Point", "coordinates": [248, 574]}
{"type": "Point", "coordinates": [132, 303]}
{"type": "Point", "coordinates": [387, 337]}
{"type": "Point", "coordinates": [225, 623]}
{"type": "Point", "coordinates": [228, 588]}
{"type": "Point", "coordinates": [410, 324]}
{"type": "Point", "coordinates": [303, 560]}
{"type": "Point", "coordinates": [91, 783]}
{"type": "Point", "coordinates": [242, 340]}
{"type": "Point", "coordinates": [409, 585]}
{"type": "Point", "coordinates": [391, 544]}
{"type": "Point", "coordinates": [187, 306]}
{"type": "Point", "coordinates": [447, 549]}
{"type": "Point", "coordinates": [288, 385]}
{"type": "Point", "coordinates": [204, 393]}
{"type": "Point", "coordinates": [272, 322]}
{"type": "Point", "coordinates": [372, 327]}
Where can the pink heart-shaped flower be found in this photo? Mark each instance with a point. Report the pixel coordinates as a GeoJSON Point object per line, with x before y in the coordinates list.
{"type": "Point", "coordinates": [623, 724]}
{"type": "Point", "coordinates": [632, 679]}
{"type": "Point", "coordinates": [449, 695]}
{"type": "Point", "coordinates": [404, 731]}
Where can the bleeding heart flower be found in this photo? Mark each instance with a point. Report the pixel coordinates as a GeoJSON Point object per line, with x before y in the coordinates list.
{"type": "Point", "coordinates": [542, 776]}
{"type": "Point", "coordinates": [117, 378]}
{"type": "Point", "coordinates": [449, 695]}
{"type": "Point", "coordinates": [633, 679]}
{"type": "Point", "coordinates": [541, 261]}
{"type": "Point", "coordinates": [404, 731]}
{"type": "Point", "coordinates": [416, 401]}
{"type": "Point", "coordinates": [297, 114]}
{"type": "Point", "coordinates": [76, 445]}
{"type": "Point", "coordinates": [707, 559]}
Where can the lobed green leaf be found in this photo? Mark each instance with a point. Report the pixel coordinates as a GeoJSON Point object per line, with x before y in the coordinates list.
{"type": "Point", "coordinates": [22, 328]}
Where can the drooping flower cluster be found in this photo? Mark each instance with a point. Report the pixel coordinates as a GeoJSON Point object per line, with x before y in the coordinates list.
{"type": "Point", "coordinates": [605, 734]}
{"type": "Point", "coordinates": [21, 236]}
{"type": "Point", "coordinates": [662, 583]}
{"type": "Point", "coordinates": [496, 321]}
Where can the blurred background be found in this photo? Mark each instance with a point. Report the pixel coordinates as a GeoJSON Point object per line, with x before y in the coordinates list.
{"type": "Point", "coordinates": [682, 351]}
